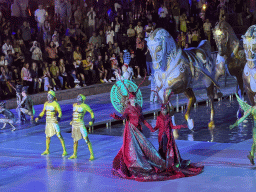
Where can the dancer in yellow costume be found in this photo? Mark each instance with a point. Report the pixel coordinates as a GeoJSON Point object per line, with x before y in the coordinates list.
{"type": "Point", "coordinates": [51, 108]}
{"type": "Point", "coordinates": [78, 127]}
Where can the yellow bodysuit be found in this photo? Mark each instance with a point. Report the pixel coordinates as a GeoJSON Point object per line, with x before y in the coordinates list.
{"type": "Point", "coordinates": [51, 110]}
{"type": "Point", "coordinates": [78, 127]}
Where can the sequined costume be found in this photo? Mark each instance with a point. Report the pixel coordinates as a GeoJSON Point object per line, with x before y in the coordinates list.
{"type": "Point", "coordinates": [51, 108]}
{"type": "Point", "coordinates": [78, 127]}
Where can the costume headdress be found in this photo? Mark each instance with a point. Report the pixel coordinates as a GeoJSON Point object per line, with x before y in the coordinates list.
{"type": "Point", "coordinates": [126, 57]}
{"type": "Point", "coordinates": [249, 40]}
{"type": "Point", "coordinates": [82, 96]}
{"type": "Point", "coordinates": [51, 92]}
{"type": "Point", "coordinates": [122, 91]}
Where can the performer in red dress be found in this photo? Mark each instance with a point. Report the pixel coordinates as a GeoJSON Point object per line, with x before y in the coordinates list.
{"type": "Point", "coordinates": [138, 159]}
{"type": "Point", "coordinates": [168, 148]}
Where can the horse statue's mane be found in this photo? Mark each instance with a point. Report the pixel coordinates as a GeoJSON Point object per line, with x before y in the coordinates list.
{"type": "Point", "coordinates": [223, 25]}
{"type": "Point", "coordinates": [167, 43]}
{"type": "Point", "coordinates": [251, 32]}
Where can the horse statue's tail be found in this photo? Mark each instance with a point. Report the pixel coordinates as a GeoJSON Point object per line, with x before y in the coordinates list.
{"type": "Point", "coordinates": [206, 46]}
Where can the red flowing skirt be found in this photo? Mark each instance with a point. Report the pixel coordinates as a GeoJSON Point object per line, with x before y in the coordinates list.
{"type": "Point", "coordinates": [139, 160]}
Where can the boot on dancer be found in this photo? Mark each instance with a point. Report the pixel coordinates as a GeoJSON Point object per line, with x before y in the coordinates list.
{"type": "Point", "coordinates": [78, 127]}
{"type": "Point", "coordinates": [9, 116]}
{"type": "Point", "coordinates": [51, 108]}
{"type": "Point", "coordinates": [25, 106]}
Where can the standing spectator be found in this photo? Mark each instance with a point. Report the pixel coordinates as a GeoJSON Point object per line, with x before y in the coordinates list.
{"type": "Point", "coordinates": [138, 28]}
{"type": "Point", "coordinates": [93, 39]}
{"type": "Point", "coordinates": [162, 13]}
{"type": "Point", "coordinates": [55, 40]}
{"type": "Point", "coordinates": [194, 8]}
{"type": "Point", "coordinates": [57, 8]}
{"type": "Point", "coordinates": [26, 33]}
{"type": "Point", "coordinates": [149, 63]}
{"type": "Point", "coordinates": [88, 51]}
{"type": "Point", "coordinates": [96, 51]}
{"type": "Point", "coordinates": [131, 34]}
{"type": "Point", "coordinates": [46, 33]}
{"type": "Point", "coordinates": [175, 8]}
{"type": "Point", "coordinates": [35, 77]}
{"type": "Point", "coordinates": [40, 16]}
{"type": "Point", "coordinates": [101, 38]}
{"type": "Point", "coordinates": [117, 7]}
{"type": "Point", "coordinates": [183, 22]}
{"type": "Point", "coordinates": [192, 25]}
{"type": "Point", "coordinates": [189, 37]}
{"type": "Point", "coordinates": [23, 8]}
{"type": "Point", "coordinates": [52, 52]}
{"type": "Point", "coordinates": [195, 38]}
{"type": "Point", "coordinates": [15, 15]}
{"type": "Point", "coordinates": [116, 26]}
{"type": "Point", "coordinates": [149, 6]}
{"type": "Point", "coordinates": [110, 35]}
{"type": "Point", "coordinates": [134, 64]}
{"type": "Point", "coordinates": [183, 39]}
{"type": "Point", "coordinates": [248, 18]}
{"type": "Point", "coordinates": [79, 33]}
{"type": "Point", "coordinates": [140, 54]}
{"type": "Point", "coordinates": [239, 11]}
{"type": "Point", "coordinates": [222, 16]}
{"type": "Point", "coordinates": [7, 46]}
{"type": "Point", "coordinates": [110, 48]}
{"type": "Point", "coordinates": [148, 29]}
{"type": "Point", "coordinates": [207, 29]}
{"type": "Point", "coordinates": [91, 20]}
{"type": "Point", "coordinates": [36, 52]}
{"type": "Point", "coordinates": [107, 66]}
{"type": "Point", "coordinates": [26, 77]}
{"type": "Point", "coordinates": [116, 48]}
{"type": "Point", "coordinates": [78, 15]}
{"type": "Point", "coordinates": [99, 68]}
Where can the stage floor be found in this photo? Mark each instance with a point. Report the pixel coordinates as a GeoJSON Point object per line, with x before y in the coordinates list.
{"type": "Point", "coordinates": [226, 166]}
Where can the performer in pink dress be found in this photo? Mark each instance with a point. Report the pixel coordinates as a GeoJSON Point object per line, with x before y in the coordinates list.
{"type": "Point", "coordinates": [138, 159]}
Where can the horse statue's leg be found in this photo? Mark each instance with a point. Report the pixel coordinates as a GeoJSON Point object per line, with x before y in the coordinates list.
{"type": "Point", "coordinates": [211, 125]}
{"type": "Point", "coordinates": [191, 100]}
{"type": "Point", "coordinates": [251, 95]}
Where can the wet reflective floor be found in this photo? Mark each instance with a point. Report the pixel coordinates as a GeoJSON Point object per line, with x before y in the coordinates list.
{"type": "Point", "coordinates": [225, 115]}
{"type": "Point", "coordinates": [226, 165]}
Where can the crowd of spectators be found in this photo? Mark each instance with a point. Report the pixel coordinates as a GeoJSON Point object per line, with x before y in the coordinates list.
{"type": "Point", "coordinates": [73, 43]}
